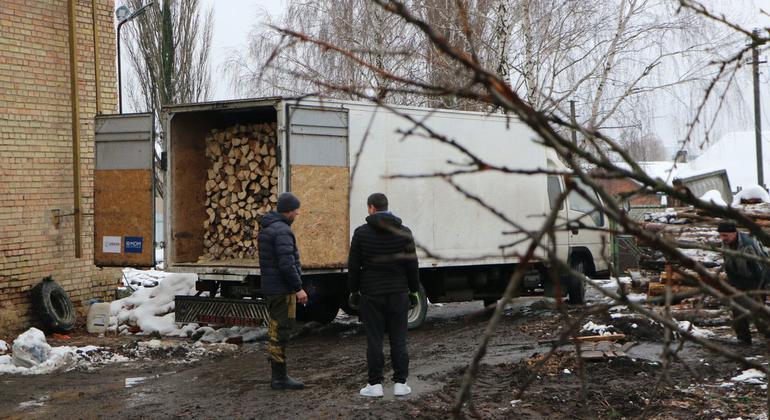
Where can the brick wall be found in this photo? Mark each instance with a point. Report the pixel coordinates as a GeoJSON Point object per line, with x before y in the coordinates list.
{"type": "Point", "coordinates": [36, 150]}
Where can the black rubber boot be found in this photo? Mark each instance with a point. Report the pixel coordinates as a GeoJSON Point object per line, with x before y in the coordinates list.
{"type": "Point", "coordinates": [281, 380]}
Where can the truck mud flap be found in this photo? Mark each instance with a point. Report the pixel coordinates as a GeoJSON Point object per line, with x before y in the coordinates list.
{"type": "Point", "coordinates": [219, 311]}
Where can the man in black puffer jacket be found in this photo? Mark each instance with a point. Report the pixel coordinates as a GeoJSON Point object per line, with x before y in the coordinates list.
{"type": "Point", "coordinates": [383, 277]}
{"type": "Point", "coordinates": [280, 273]}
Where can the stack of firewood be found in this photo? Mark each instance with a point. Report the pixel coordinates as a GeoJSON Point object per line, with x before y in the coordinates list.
{"type": "Point", "coordinates": [242, 187]}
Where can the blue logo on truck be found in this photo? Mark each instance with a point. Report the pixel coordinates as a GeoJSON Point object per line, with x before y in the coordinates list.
{"type": "Point", "coordinates": [133, 244]}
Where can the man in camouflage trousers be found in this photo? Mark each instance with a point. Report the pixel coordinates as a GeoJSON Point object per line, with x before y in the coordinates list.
{"type": "Point", "coordinates": [281, 283]}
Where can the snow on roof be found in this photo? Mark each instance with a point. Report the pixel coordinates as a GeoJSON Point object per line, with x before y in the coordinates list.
{"type": "Point", "coordinates": [734, 152]}
{"type": "Point", "coordinates": [666, 170]}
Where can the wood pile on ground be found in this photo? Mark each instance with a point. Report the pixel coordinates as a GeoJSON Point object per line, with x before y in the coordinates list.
{"type": "Point", "coordinates": [686, 225]}
{"type": "Point", "coordinates": [242, 187]}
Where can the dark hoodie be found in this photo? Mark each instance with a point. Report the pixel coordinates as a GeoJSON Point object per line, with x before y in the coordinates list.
{"type": "Point", "coordinates": [744, 273]}
{"type": "Point", "coordinates": [382, 257]}
{"type": "Point", "coordinates": [279, 265]}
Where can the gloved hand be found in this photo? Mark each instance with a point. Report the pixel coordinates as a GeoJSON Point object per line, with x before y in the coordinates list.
{"type": "Point", "coordinates": [414, 299]}
{"type": "Point", "coordinates": [353, 300]}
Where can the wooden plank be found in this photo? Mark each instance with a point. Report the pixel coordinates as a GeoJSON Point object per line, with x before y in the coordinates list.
{"type": "Point", "coordinates": [123, 208]}
{"type": "Point", "coordinates": [322, 228]}
{"type": "Point", "coordinates": [596, 338]}
{"type": "Point", "coordinates": [189, 172]}
{"type": "Point", "coordinates": [659, 289]}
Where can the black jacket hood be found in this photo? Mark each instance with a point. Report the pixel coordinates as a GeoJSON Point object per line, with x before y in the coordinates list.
{"type": "Point", "coordinates": [384, 220]}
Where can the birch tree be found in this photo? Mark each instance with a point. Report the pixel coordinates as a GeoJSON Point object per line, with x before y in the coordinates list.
{"type": "Point", "coordinates": [169, 50]}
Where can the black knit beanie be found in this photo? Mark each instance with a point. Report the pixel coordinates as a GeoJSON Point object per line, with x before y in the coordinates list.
{"type": "Point", "coordinates": [287, 202]}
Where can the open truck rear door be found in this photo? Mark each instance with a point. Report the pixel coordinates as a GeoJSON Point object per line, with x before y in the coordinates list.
{"type": "Point", "coordinates": [124, 191]}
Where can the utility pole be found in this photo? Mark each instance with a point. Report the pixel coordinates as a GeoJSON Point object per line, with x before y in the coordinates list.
{"type": "Point", "coordinates": [757, 114]}
{"type": "Point", "coordinates": [573, 121]}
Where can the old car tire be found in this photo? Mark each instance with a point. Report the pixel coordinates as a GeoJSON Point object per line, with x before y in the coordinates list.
{"type": "Point", "coordinates": [416, 315]}
{"type": "Point", "coordinates": [576, 286]}
{"type": "Point", "coordinates": [53, 306]}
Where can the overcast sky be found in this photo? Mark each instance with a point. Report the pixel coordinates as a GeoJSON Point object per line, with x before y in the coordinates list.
{"type": "Point", "coordinates": [235, 19]}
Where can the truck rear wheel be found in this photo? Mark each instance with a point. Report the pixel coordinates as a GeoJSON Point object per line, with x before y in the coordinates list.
{"type": "Point", "coordinates": [549, 287]}
{"type": "Point", "coordinates": [576, 288]}
{"type": "Point", "coordinates": [417, 314]}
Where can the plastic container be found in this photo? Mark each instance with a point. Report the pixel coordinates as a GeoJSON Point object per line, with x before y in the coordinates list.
{"type": "Point", "coordinates": [98, 318]}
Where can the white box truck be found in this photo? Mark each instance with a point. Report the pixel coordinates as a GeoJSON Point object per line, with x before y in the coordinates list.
{"type": "Point", "coordinates": [466, 250]}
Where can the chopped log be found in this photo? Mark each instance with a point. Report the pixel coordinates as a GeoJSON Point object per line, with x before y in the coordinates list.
{"type": "Point", "coordinates": [240, 185]}
{"type": "Point", "coordinates": [659, 289]}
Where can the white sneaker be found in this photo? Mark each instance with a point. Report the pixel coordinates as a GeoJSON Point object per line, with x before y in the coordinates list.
{"type": "Point", "coordinates": [372, 390]}
{"type": "Point", "coordinates": [401, 389]}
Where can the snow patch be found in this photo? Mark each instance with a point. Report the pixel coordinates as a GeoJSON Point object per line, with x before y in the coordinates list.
{"type": "Point", "coordinates": [751, 376]}
{"type": "Point", "coordinates": [597, 328]}
{"type": "Point", "coordinates": [33, 356]}
{"type": "Point", "coordinates": [34, 403]}
{"type": "Point", "coordinates": [152, 309]}
{"type": "Point", "coordinates": [752, 192]}
{"type": "Point", "coordinates": [715, 197]}
{"type": "Point", "coordinates": [137, 279]}
{"type": "Point", "coordinates": [179, 351]}
{"type": "Point", "coordinates": [132, 382]}
{"type": "Point", "coordinates": [3, 347]}
{"type": "Point", "coordinates": [695, 331]}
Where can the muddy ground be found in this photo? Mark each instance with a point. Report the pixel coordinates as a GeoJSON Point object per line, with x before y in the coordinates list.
{"type": "Point", "coordinates": [331, 361]}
